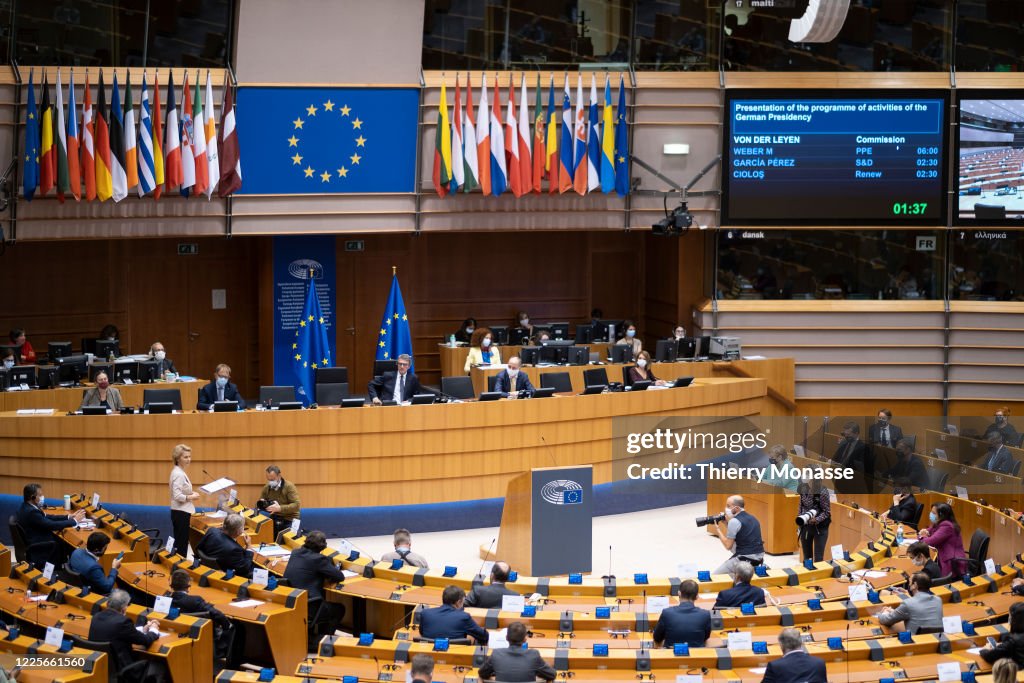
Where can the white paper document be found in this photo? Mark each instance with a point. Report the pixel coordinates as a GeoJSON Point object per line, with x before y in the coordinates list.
{"type": "Point", "coordinates": [247, 603]}
{"type": "Point", "coordinates": [273, 550]}
{"type": "Point", "coordinates": [741, 640]}
{"type": "Point", "coordinates": [218, 485]}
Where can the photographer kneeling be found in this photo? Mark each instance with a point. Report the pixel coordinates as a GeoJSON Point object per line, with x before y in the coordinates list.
{"type": "Point", "coordinates": [739, 532]}
{"type": "Point", "coordinates": [813, 519]}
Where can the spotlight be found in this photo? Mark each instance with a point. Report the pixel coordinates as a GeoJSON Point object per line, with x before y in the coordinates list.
{"type": "Point", "coordinates": [675, 223]}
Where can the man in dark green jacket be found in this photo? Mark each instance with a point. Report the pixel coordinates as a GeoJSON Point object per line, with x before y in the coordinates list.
{"type": "Point", "coordinates": [279, 499]}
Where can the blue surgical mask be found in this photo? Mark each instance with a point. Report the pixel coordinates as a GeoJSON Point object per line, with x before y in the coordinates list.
{"type": "Point", "coordinates": [222, 382]}
{"type": "Point", "coordinates": [630, 333]}
{"type": "Point", "coordinates": [469, 330]}
{"type": "Point", "coordinates": [8, 364]}
{"type": "Point", "coordinates": [934, 517]}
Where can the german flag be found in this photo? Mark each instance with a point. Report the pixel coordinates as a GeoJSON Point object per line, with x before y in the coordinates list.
{"type": "Point", "coordinates": [47, 154]}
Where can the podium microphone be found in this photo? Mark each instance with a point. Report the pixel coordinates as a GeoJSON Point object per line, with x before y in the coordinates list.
{"type": "Point", "coordinates": [609, 575]}
{"type": "Point", "coordinates": [480, 573]}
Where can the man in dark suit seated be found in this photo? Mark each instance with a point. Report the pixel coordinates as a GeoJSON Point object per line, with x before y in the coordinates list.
{"type": "Point", "coordinates": [907, 466]}
{"type": "Point", "coordinates": [884, 432]}
{"type": "Point", "coordinates": [450, 620]}
{"type": "Point", "coordinates": [998, 458]}
{"type": "Point", "coordinates": [223, 629]}
{"type": "Point", "coordinates": [220, 389]}
{"type": "Point", "coordinates": [307, 569]}
{"type": "Point", "coordinates": [684, 623]}
{"type": "Point", "coordinates": [857, 455]}
{"type": "Point", "coordinates": [513, 663]}
{"type": "Point", "coordinates": [904, 504]}
{"type": "Point", "coordinates": [86, 562]}
{"type": "Point", "coordinates": [398, 386]}
{"type": "Point", "coordinates": [220, 544]}
{"type": "Point", "coordinates": [38, 527]}
{"type": "Point", "coordinates": [741, 590]}
{"type": "Point", "coordinates": [489, 597]}
{"type": "Point", "coordinates": [112, 626]}
{"type": "Point", "coordinates": [795, 665]}
{"type": "Point", "coordinates": [512, 382]}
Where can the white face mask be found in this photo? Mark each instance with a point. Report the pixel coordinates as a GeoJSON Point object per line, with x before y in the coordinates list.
{"type": "Point", "coordinates": [160, 355]}
{"type": "Point", "coordinates": [469, 330]}
{"type": "Point", "coordinates": [41, 500]}
{"type": "Point", "coordinates": [642, 363]}
{"type": "Point", "coordinates": [525, 322]}
{"type": "Point", "coordinates": [8, 364]}
{"type": "Point", "coordinates": [513, 373]}
{"type": "Point", "coordinates": [728, 511]}
{"type": "Point", "coordinates": [486, 342]}
{"type": "Point", "coordinates": [276, 484]}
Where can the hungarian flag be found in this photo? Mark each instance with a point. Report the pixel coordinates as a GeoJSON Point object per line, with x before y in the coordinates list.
{"type": "Point", "coordinates": [118, 177]}
{"type": "Point", "coordinates": [186, 131]}
{"type": "Point", "coordinates": [104, 183]}
{"type": "Point", "coordinates": [593, 141]}
{"type": "Point", "coordinates": [539, 152]}
{"type": "Point", "coordinates": [30, 171]}
{"type": "Point", "coordinates": [499, 175]}
{"type": "Point", "coordinates": [47, 155]}
{"type": "Point", "coordinates": [212, 158]}
{"type": "Point", "coordinates": [158, 137]}
{"type": "Point", "coordinates": [512, 143]}
{"type": "Point", "coordinates": [442, 146]}
{"type": "Point", "coordinates": [74, 171]}
{"type": "Point", "coordinates": [551, 163]}
{"type": "Point", "coordinates": [230, 157]}
{"type": "Point", "coordinates": [579, 154]}
{"type": "Point", "coordinates": [131, 153]}
{"type": "Point", "coordinates": [146, 168]}
{"type": "Point", "coordinates": [173, 173]}
{"type": "Point", "coordinates": [565, 145]}
{"type": "Point", "coordinates": [525, 167]}
{"type": "Point", "coordinates": [607, 140]}
{"type": "Point", "coordinates": [61, 144]}
{"type": "Point", "coordinates": [88, 160]}
{"type": "Point", "coordinates": [458, 166]}
{"type": "Point", "coordinates": [199, 142]}
{"type": "Point", "coordinates": [471, 168]}
{"type": "Point", "coordinates": [483, 139]}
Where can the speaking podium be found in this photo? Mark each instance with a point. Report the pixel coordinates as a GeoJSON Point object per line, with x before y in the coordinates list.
{"type": "Point", "coordinates": [546, 521]}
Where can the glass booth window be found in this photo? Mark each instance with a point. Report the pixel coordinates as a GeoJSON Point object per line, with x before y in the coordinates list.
{"type": "Point", "coordinates": [987, 265]}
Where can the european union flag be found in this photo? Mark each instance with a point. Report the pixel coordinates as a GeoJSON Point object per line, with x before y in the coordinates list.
{"type": "Point", "coordinates": [621, 143]}
{"type": "Point", "coordinates": [30, 171]}
{"type": "Point", "coordinates": [394, 337]}
{"type": "Point", "coordinates": [328, 140]}
{"type": "Point", "coordinates": [311, 349]}
{"type": "Point", "coordinates": [572, 497]}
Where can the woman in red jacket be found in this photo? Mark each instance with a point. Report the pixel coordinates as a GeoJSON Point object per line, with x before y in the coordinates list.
{"type": "Point", "coordinates": [22, 349]}
{"type": "Point", "coordinates": [944, 536]}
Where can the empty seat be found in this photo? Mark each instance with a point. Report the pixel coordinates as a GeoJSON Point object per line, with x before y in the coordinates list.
{"type": "Point", "coordinates": [492, 381]}
{"type": "Point", "coordinates": [331, 393]}
{"type": "Point", "coordinates": [595, 376]}
{"type": "Point", "coordinates": [460, 387]}
{"type": "Point", "coordinates": [172, 396]}
{"type": "Point", "coordinates": [334, 375]}
{"type": "Point", "coordinates": [559, 381]}
{"type": "Point", "coordinates": [277, 394]}
{"type": "Point", "coordinates": [382, 366]}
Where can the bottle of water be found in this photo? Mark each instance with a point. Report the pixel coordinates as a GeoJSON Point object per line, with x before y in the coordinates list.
{"type": "Point", "coordinates": [899, 534]}
{"type": "Point", "coordinates": [451, 341]}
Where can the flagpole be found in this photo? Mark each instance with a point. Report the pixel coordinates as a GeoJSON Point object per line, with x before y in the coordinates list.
{"type": "Point", "coordinates": [394, 270]}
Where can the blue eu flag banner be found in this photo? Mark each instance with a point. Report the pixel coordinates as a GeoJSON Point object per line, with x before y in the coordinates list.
{"type": "Point", "coordinates": [311, 349]}
{"type": "Point", "coordinates": [328, 140]}
{"type": "Point", "coordinates": [394, 337]}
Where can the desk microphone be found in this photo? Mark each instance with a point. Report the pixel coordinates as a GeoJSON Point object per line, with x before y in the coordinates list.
{"type": "Point", "coordinates": [480, 573]}
{"type": "Point", "coordinates": [609, 575]}
{"type": "Point", "coordinates": [846, 652]}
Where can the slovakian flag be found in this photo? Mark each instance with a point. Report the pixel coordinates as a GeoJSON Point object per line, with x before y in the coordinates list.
{"type": "Point", "coordinates": [512, 143]}
{"type": "Point", "coordinates": [158, 138]}
{"type": "Point", "coordinates": [173, 172]}
{"type": "Point", "coordinates": [30, 171]}
{"type": "Point", "coordinates": [186, 131]}
{"type": "Point", "coordinates": [442, 147]}
{"type": "Point", "coordinates": [471, 166]}
{"type": "Point", "coordinates": [146, 167]}
{"type": "Point", "coordinates": [621, 143]}
{"type": "Point", "coordinates": [230, 153]}
{"type": "Point", "coordinates": [458, 165]}
{"type": "Point", "coordinates": [593, 141]}
{"type": "Point", "coordinates": [565, 144]}
{"type": "Point", "coordinates": [539, 151]}
{"type": "Point", "coordinates": [60, 140]}
{"type": "Point", "coordinates": [525, 165]}
{"type": "Point", "coordinates": [499, 173]}
{"type": "Point", "coordinates": [579, 153]}
{"type": "Point", "coordinates": [118, 177]}
{"type": "Point", "coordinates": [212, 153]}
{"type": "Point", "coordinates": [483, 139]}
{"type": "Point", "coordinates": [88, 160]}
{"type": "Point", "coordinates": [74, 170]}
{"type": "Point", "coordinates": [47, 157]}
{"type": "Point", "coordinates": [198, 134]}
{"type": "Point", "coordinates": [131, 152]}
{"type": "Point", "coordinates": [104, 181]}
{"type": "Point", "coordinates": [552, 163]}
{"type": "Point", "coordinates": [607, 140]}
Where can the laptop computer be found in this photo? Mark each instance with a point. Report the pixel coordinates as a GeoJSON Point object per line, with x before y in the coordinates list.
{"type": "Point", "coordinates": [682, 382]}
{"type": "Point", "coordinates": [490, 396]}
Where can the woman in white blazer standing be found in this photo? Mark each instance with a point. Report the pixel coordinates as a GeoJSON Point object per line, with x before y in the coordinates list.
{"type": "Point", "coordinates": [182, 496]}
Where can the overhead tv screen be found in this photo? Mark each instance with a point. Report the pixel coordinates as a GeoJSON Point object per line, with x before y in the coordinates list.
{"type": "Point", "coordinates": [835, 157]}
{"type": "Point", "coordinates": [990, 153]}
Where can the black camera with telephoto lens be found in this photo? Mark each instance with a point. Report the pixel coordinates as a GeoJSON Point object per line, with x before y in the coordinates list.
{"type": "Point", "coordinates": [263, 504]}
{"type": "Point", "coordinates": [710, 519]}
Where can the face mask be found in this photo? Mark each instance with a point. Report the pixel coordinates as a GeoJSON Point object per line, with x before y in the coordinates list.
{"type": "Point", "coordinates": [8, 364]}
{"type": "Point", "coordinates": [41, 501]}
{"type": "Point", "coordinates": [525, 322]}
{"type": "Point", "coordinates": [851, 437]}
{"type": "Point", "coordinates": [641, 363]}
{"type": "Point", "coordinates": [728, 512]}
{"type": "Point", "coordinates": [918, 561]}
{"type": "Point", "coordinates": [1001, 418]}
{"type": "Point", "coordinates": [630, 333]}
{"type": "Point", "coordinates": [103, 383]}
{"type": "Point", "coordinates": [222, 382]}
{"type": "Point", "coordinates": [469, 330]}
{"type": "Point", "coordinates": [274, 484]}
{"type": "Point", "coordinates": [544, 339]}
{"type": "Point", "coordinates": [160, 355]}
{"type": "Point", "coordinates": [934, 517]}
{"type": "Point", "coordinates": [680, 334]}
{"type": "Point", "coordinates": [883, 421]}
{"type": "Point", "coordinates": [513, 373]}
{"type": "Point", "coordinates": [486, 342]}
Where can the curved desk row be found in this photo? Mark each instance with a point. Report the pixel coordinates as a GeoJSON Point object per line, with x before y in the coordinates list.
{"type": "Point", "coordinates": [67, 399]}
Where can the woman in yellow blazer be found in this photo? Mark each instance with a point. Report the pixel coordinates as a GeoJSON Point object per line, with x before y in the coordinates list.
{"type": "Point", "coordinates": [481, 350]}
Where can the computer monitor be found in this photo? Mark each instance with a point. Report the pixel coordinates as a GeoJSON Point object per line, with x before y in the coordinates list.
{"type": "Point", "coordinates": [73, 368]}
{"type": "Point", "coordinates": [160, 408]}
{"type": "Point", "coordinates": [94, 410]}
{"type": "Point", "coordinates": [543, 392]}
{"type": "Point", "coordinates": [149, 371]}
{"type": "Point", "coordinates": [642, 385]}
{"type": "Point", "coordinates": [607, 332]}
{"type": "Point", "coordinates": [10, 347]}
{"type": "Point", "coordinates": [682, 382]}
{"type": "Point", "coordinates": [95, 368]}
{"type": "Point", "coordinates": [23, 375]}
{"type": "Point", "coordinates": [289, 405]}
{"type": "Point", "coordinates": [382, 366]}
{"type": "Point", "coordinates": [559, 330]}
{"type": "Point", "coordinates": [530, 355]}
{"type": "Point", "coordinates": [621, 353]}
{"type": "Point", "coordinates": [594, 389]}
{"type": "Point", "coordinates": [124, 371]}
{"type": "Point", "coordinates": [353, 402]}
{"type": "Point", "coordinates": [499, 334]}
{"type": "Point", "coordinates": [537, 329]}
{"type": "Point", "coordinates": [687, 348]}
{"type": "Point", "coordinates": [423, 399]}
{"type": "Point", "coordinates": [107, 347]}
{"type": "Point", "coordinates": [225, 406]}
{"type": "Point", "coordinates": [518, 336]}
{"type": "Point", "coordinates": [550, 353]}
{"type": "Point", "coordinates": [704, 346]}
{"type": "Point", "coordinates": [490, 396]}
{"type": "Point", "coordinates": [58, 349]}
{"type": "Point", "coordinates": [47, 376]}
{"type": "Point", "coordinates": [666, 350]}
{"type": "Point", "coordinates": [584, 334]}
{"type": "Point", "coordinates": [578, 355]}
{"type": "Point", "coordinates": [5, 379]}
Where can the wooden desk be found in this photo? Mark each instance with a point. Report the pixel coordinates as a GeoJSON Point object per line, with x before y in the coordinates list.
{"type": "Point", "coordinates": [124, 537]}
{"type": "Point", "coordinates": [453, 360]}
{"type": "Point", "coordinates": [64, 400]}
{"type": "Point", "coordinates": [93, 670]}
{"type": "Point", "coordinates": [338, 456]}
{"type": "Point", "coordinates": [259, 527]}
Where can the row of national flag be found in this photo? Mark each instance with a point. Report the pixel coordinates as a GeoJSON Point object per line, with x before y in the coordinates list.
{"type": "Point", "coordinates": [582, 151]}
{"type": "Point", "coordinates": [106, 153]}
